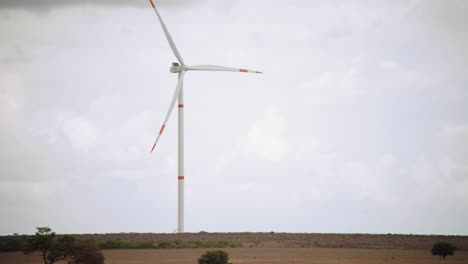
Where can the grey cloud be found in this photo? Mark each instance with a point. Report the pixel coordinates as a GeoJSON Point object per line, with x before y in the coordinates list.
{"type": "Point", "coordinates": [46, 4]}
{"type": "Point", "coordinates": [448, 15]}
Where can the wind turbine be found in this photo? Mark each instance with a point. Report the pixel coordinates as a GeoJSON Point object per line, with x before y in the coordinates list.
{"type": "Point", "coordinates": [180, 69]}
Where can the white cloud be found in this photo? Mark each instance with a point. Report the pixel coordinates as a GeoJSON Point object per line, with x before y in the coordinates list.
{"type": "Point", "coordinates": [81, 133]}
{"type": "Point", "coordinates": [266, 138]}
{"type": "Point", "coordinates": [389, 65]}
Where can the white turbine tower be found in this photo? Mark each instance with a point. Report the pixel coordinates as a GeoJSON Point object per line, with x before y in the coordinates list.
{"type": "Point", "coordinates": [179, 94]}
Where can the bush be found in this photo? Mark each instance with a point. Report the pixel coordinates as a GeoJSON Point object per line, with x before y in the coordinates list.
{"type": "Point", "coordinates": [235, 245]}
{"type": "Point", "coordinates": [165, 244]}
{"type": "Point", "coordinates": [105, 244]}
{"type": "Point", "coordinates": [443, 249]}
{"type": "Point", "coordinates": [87, 252]}
{"type": "Point", "coordinates": [186, 245]}
{"type": "Point", "coordinates": [214, 257]}
{"type": "Point", "coordinates": [211, 244]}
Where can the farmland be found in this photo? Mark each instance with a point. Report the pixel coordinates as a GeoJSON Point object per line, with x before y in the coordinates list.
{"type": "Point", "coordinates": [262, 255]}
{"type": "Point", "coordinates": [269, 248]}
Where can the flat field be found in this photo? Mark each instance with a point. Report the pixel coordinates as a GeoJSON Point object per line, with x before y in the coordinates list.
{"type": "Point", "coordinates": [263, 255]}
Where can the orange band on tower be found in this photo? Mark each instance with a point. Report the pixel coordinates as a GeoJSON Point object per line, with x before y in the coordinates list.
{"type": "Point", "coordinates": [181, 105]}
{"type": "Point", "coordinates": [181, 177]}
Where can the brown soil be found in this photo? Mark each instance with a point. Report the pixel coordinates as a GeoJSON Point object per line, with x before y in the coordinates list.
{"type": "Point", "coordinates": [263, 255]}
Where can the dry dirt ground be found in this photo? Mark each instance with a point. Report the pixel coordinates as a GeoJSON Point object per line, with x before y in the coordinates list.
{"type": "Point", "coordinates": [263, 255]}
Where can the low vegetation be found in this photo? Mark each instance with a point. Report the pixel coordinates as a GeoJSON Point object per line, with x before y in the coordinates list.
{"type": "Point", "coordinates": [18, 243]}
{"type": "Point", "coordinates": [214, 257]}
{"type": "Point", "coordinates": [13, 243]}
{"type": "Point", "coordinates": [255, 240]}
{"type": "Point", "coordinates": [119, 244]}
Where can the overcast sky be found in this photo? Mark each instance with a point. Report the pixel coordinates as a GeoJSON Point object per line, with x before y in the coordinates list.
{"type": "Point", "coordinates": [359, 123]}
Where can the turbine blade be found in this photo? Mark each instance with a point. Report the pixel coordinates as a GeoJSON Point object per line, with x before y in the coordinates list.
{"type": "Point", "coordinates": [168, 36]}
{"type": "Point", "coordinates": [218, 68]}
{"type": "Point", "coordinates": [171, 107]}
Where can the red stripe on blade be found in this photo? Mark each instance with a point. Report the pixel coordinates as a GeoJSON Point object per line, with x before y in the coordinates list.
{"type": "Point", "coordinates": [162, 129]}
{"type": "Point", "coordinates": [181, 105]}
{"type": "Point", "coordinates": [154, 145]}
{"type": "Point", "coordinates": [181, 177]}
{"type": "Point", "coordinates": [243, 70]}
{"type": "Point", "coordinates": [152, 4]}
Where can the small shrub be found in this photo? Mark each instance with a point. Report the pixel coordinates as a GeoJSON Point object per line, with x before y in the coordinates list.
{"type": "Point", "coordinates": [211, 244]}
{"type": "Point", "coordinates": [220, 244]}
{"type": "Point", "coordinates": [165, 244]}
{"type": "Point", "coordinates": [235, 245]}
{"type": "Point", "coordinates": [141, 245]}
{"type": "Point", "coordinates": [185, 245]}
{"type": "Point", "coordinates": [214, 257]}
{"type": "Point", "coordinates": [108, 244]}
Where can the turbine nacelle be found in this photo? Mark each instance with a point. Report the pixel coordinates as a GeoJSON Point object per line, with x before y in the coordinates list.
{"type": "Point", "coordinates": [176, 68]}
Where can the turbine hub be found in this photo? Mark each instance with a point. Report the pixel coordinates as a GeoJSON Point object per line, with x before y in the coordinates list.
{"type": "Point", "coordinates": [176, 68]}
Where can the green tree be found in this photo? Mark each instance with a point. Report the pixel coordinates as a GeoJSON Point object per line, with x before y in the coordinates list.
{"type": "Point", "coordinates": [66, 248]}
{"type": "Point", "coordinates": [214, 257]}
{"type": "Point", "coordinates": [42, 242]}
{"type": "Point", "coordinates": [443, 249]}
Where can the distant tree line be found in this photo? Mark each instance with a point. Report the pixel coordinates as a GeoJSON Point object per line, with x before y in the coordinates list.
{"type": "Point", "coordinates": [18, 243]}
{"type": "Point", "coordinates": [13, 243]}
